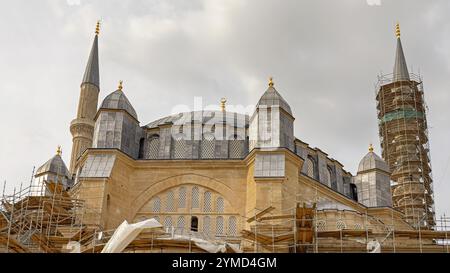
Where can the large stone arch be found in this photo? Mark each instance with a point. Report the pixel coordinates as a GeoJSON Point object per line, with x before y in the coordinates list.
{"type": "Point", "coordinates": [178, 180]}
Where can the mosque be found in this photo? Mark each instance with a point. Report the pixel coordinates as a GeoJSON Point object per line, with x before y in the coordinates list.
{"type": "Point", "coordinates": [246, 179]}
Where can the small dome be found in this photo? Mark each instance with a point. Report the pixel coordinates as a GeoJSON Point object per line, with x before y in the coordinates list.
{"type": "Point", "coordinates": [372, 161]}
{"type": "Point", "coordinates": [55, 165]}
{"type": "Point", "coordinates": [272, 98]}
{"type": "Point", "coordinates": [118, 100]}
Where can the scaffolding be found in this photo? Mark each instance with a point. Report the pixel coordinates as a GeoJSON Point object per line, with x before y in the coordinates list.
{"type": "Point", "coordinates": [405, 147]}
{"type": "Point", "coordinates": [306, 228]}
{"type": "Point", "coordinates": [47, 223]}
{"type": "Point", "coordinates": [42, 218]}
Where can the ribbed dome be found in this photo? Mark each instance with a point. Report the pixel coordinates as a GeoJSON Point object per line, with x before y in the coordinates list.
{"type": "Point", "coordinates": [118, 100]}
{"type": "Point", "coordinates": [54, 165]}
{"type": "Point", "coordinates": [272, 98]}
{"type": "Point", "coordinates": [207, 117]}
{"type": "Point", "coordinates": [372, 161]}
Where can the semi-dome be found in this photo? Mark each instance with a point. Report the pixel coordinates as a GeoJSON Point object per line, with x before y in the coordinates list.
{"type": "Point", "coordinates": [372, 161]}
{"type": "Point", "coordinates": [118, 100]}
{"type": "Point", "coordinates": [272, 98]}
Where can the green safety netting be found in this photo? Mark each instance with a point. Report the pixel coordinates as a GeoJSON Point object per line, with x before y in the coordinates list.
{"type": "Point", "coordinates": [402, 114]}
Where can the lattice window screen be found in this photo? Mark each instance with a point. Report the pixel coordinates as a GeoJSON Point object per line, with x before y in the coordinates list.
{"type": "Point", "coordinates": [220, 205]}
{"type": "Point", "coordinates": [157, 219]}
{"type": "Point", "coordinates": [320, 225]}
{"type": "Point", "coordinates": [207, 225]}
{"type": "Point", "coordinates": [358, 226]}
{"type": "Point", "coordinates": [153, 148]}
{"type": "Point", "coordinates": [207, 206]}
{"type": "Point", "coordinates": [310, 167]}
{"type": "Point", "coordinates": [156, 204]}
{"type": "Point", "coordinates": [167, 223]}
{"type": "Point", "coordinates": [181, 223]}
{"type": "Point", "coordinates": [208, 146]}
{"type": "Point", "coordinates": [182, 197]}
{"type": "Point", "coordinates": [232, 226]}
{"type": "Point", "coordinates": [340, 225]}
{"type": "Point", "coordinates": [180, 147]}
{"type": "Point", "coordinates": [236, 148]}
{"type": "Point", "coordinates": [195, 198]}
{"type": "Point", "coordinates": [219, 225]}
{"type": "Point", "coordinates": [170, 201]}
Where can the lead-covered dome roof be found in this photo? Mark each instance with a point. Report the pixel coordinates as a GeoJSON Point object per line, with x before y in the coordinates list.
{"type": "Point", "coordinates": [372, 161]}
{"type": "Point", "coordinates": [118, 100]}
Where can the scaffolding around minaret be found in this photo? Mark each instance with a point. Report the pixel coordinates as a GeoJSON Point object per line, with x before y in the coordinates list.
{"type": "Point", "coordinates": [403, 131]}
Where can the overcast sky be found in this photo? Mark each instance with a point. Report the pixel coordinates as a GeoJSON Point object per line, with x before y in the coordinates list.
{"type": "Point", "coordinates": [324, 56]}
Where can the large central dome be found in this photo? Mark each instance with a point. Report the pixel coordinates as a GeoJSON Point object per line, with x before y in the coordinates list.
{"type": "Point", "coordinates": [206, 117]}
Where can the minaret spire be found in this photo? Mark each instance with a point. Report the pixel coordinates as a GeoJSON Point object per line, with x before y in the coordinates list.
{"type": "Point", "coordinates": [400, 68]}
{"type": "Point", "coordinates": [82, 127]}
{"type": "Point", "coordinates": [91, 74]}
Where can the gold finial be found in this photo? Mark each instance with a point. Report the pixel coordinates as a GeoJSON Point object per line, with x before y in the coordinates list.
{"type": "Point", "coordinates": [120, 85]}
{"type": "Point", "coordinates": [397, 30]}
{"type": "Point", "coordinates": [59, 151]}
{"type": "Point", "coordinates": [271, 84]}
{"type": "Point", "coordinates": [223, 103]}
{"type": "Point", "coordinates": [97, 29]}
{"type": "Point", "coordinates": [371, 148]}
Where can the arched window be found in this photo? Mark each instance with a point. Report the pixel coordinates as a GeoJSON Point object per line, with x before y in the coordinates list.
{"type": "Point", "coordinates": [208, 145]}
{"type": "Point", "coordinates": [156, 204]}
{"type": "Point", "coordinates": [194, 223]}
{"type": "Point", "coordinates": [310, 167]}
{"type": "Point", "coordinates": [219, 225]}
{"type": "Point", "coordinates": [340, 225]}
{"type": "Point", "coordinates": [170, 201]}
{"type": "Point", "coordinates": [141, 148]}
{"type": "Point", "coordinates": [354, 192]}
{"type": "Point", "coordinates": [207, 225]}
{"type": "Point", "coordinates": [182, 198]}
{"type": "Point", "coordinates": [195, 198]}
{"type": "Point", "coordinates": [181, 223]}
{"type": "Point", "coordinates": [328, 176]}
{"type": "Point", "coordinates": [168, 223]}
{"type": "Point", "coordinates": [207, 202]}
{"type": "Point", "coordinates": [332, 182]}
{"type": "Point", "coordinates": [220, 205]}
{"type": "Point", "coordinates": [321, 225]}
{"type": "Point", "coordinates": [153, 147]}
{"type": "Point", "coordinates": [232, 226]}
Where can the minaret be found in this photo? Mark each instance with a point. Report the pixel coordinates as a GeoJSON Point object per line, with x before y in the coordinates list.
{"type": "Point", "coordinates": [82, 127]}
{"type": "Point", "coordinates": [404, 141]}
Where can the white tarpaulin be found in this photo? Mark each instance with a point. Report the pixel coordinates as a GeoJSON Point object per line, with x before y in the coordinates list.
{"type": "Point", "coordinates": [374, 246]}
{"type": "Point", "coordinates": [208, 246]}
{"type": "Point", "coordinates": [73, 247]}
{"type": "Point", "coordinates": [126, 233]}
